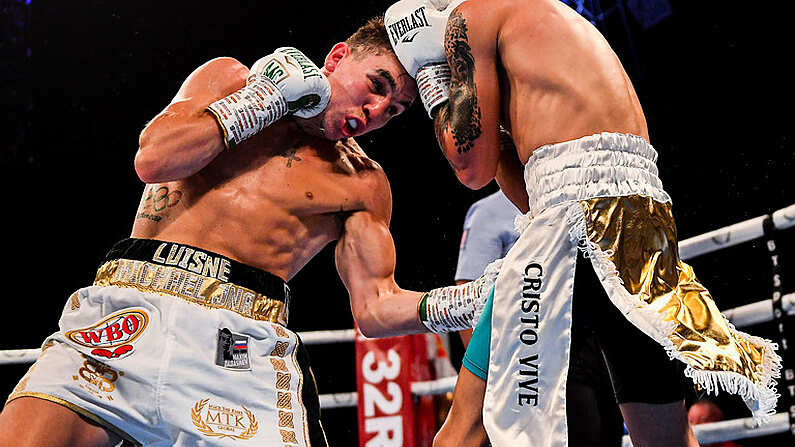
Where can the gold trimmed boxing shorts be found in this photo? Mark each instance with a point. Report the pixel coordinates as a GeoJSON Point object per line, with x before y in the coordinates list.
{"type": "Point", "coordinates": [601, 196]}
{"type": "Point", "coordinates": [175, 345]}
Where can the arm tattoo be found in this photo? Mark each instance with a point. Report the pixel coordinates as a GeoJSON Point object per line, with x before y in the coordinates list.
{"type": "Point", "coordinates": [462, 112]}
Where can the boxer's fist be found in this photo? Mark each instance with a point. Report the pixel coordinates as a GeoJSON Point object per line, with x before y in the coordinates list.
{"type": "Point", "coordinates": [304, 87]}
{"type": "Point", "coordinates": [416, 30]}
{"type": "Point", "coordinates": [285, 82]}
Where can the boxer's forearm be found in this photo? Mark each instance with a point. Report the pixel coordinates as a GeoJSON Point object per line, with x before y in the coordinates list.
{"type": "Point", "coordinates": [366, 261]}
{"type": "Point", "coordinates": [177, 143]}
{"type": "Point", "coordinates": [388, 314]}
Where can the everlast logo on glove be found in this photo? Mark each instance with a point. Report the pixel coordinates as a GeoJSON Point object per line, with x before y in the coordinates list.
{"type": "Point", "coordinates": [308, 69]}
{"type": "Point", "coordinates": [398, 30]}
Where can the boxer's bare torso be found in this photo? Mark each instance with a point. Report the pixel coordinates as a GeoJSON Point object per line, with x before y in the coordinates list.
{"type": "Point", "coordinates": [559, 78]}
{"type": "Point", "coordinates": [541, 71]}
{"type": "Point", "coordinates": [272, 202]}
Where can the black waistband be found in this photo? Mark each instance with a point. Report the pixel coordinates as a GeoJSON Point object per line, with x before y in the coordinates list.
{"type": "Point", "coordinates": [202, 262]}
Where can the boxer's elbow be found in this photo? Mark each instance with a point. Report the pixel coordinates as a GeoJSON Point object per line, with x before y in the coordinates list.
{"type": "Point", "coordinates": [149, 159]}
{"type": "Point", "coordinates": [146, 167]}
{"type": "Point", "coordinates": [369, 331]}
{"type": "Point", "coordinates": [369, 323]}
{"type": "Point", "coordinates": [152, 168]}
{"type": "Point", "coordinates": [159, 160]}
{"type": "Point", "coordinates": [473, 178]}
{"type": "Point", "coordinates": [373, 316]}
{"type": "Point", "coordinates": [472, 171]}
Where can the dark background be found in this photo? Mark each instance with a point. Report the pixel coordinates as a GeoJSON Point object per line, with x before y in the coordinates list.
{"type": "Point", "coordinates": [82, 78]}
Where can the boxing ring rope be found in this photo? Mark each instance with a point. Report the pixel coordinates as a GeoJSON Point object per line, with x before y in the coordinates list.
{"type": "Point", "coordinates": [746, 315]}
{"type": "Point", "coordinates": [757, 312]}
{"type": "Point", "coordinates": [734, 234]}
{"type": "Point", "coordinates": [741, 316]}
{"type": "Point", "coordinates": [733, 430]}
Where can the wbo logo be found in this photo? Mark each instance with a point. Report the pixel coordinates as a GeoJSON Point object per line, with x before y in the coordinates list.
{"type": "Point", "coordinates": [113, 336]}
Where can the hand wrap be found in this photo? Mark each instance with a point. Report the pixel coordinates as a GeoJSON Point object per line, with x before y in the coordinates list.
{"type": "Point", "coordinates": [451, 309]}
{"type": "Point", "coordinates": [248, 110]}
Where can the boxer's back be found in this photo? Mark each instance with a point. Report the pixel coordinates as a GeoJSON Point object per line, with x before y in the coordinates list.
{"type": "Point", "coordinates": [273, 202]}
{"type": "Point", "coordinates": [559, 78]}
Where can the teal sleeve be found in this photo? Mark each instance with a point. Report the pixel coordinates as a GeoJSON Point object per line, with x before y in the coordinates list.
{"type": "Point", "coordinates": [476, 357]}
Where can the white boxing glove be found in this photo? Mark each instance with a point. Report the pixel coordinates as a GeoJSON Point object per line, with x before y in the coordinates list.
{"type": "Point", "coordinates": [285, 82]}
{"type": "Point", "coordinates": [304, 86]}
{"type": "Point", "coordinates": [416, 30]}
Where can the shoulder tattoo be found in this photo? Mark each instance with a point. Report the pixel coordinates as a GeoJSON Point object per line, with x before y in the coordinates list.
{"type": "Point", "coordinates": [463, 113]}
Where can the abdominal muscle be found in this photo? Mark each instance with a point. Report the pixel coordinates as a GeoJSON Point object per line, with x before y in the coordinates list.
{"type": "Point", "coordinates": [242, 223]}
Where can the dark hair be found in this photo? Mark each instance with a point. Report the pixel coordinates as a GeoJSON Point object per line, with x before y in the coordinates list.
{"type": "Point", "coordinates": [370, 38]}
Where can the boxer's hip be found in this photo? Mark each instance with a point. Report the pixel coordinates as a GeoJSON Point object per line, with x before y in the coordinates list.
{"type": "Point", "coordinates": [195, 275]}
{"type": "Point", "coordinates": [165, 347]}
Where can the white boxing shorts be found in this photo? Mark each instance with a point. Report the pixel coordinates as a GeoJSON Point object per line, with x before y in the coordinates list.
{"type": "Point", "coordinates": [178, 346]}
{"type": "Point", "coordinates": [601, 196]}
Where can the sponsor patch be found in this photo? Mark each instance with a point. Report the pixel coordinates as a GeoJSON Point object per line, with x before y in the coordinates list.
{"type": "Point", "coordinates": [113, 337]}
{"type": "Point", "coordinates": [221, 421]}
{"type": "Point", "coordinates": [232, 351]}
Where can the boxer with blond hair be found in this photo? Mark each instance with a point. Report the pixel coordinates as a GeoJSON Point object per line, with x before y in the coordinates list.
{"type": "Point", "coordinates": [182, 339]}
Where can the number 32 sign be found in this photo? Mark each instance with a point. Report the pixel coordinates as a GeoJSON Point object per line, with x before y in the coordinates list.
{"type": "Point", "coordinates": [385, 370]}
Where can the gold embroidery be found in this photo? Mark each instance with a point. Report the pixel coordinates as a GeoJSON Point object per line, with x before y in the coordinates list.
{"type": "Point", "coordinates": [283, 401]}
{"type": "Point", "coordinates": [280, 350]}
{"type": "Point", "coordinates": [283, 381]}
{"type": "Point", "coordinates": [281, 332]}
{"type": "Point", "coordinates": [204, 290]}
{"type": "Point", "coordinates": [279, 364]}
{"type": "Point", "coordinates": [232, 422]}
{"type": "Point", "coordinates": [100, 379]}
{"type": "Point", "coordinates": [75, 301]}
{"type": "Point", "coordinates": [285, 419]}
{"type": "Point", "coordinates": [288, 436]}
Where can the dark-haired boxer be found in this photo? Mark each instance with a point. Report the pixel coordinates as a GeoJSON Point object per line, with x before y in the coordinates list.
{"type": "Point", "coordinates": [589, 173]}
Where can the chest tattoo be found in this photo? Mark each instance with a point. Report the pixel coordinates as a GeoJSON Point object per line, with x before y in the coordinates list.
{"type": "Point", "coordinates": [290, 156]}
{"type": "Point", "coordinates": [157, 199]}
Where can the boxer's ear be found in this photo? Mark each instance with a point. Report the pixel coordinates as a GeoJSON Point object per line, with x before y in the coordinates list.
{"type": "Point", "coordinates": [337, 53]}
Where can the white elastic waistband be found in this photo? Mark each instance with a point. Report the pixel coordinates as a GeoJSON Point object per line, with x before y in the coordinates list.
{"type": "Point", "coordinates": [600, 165]}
